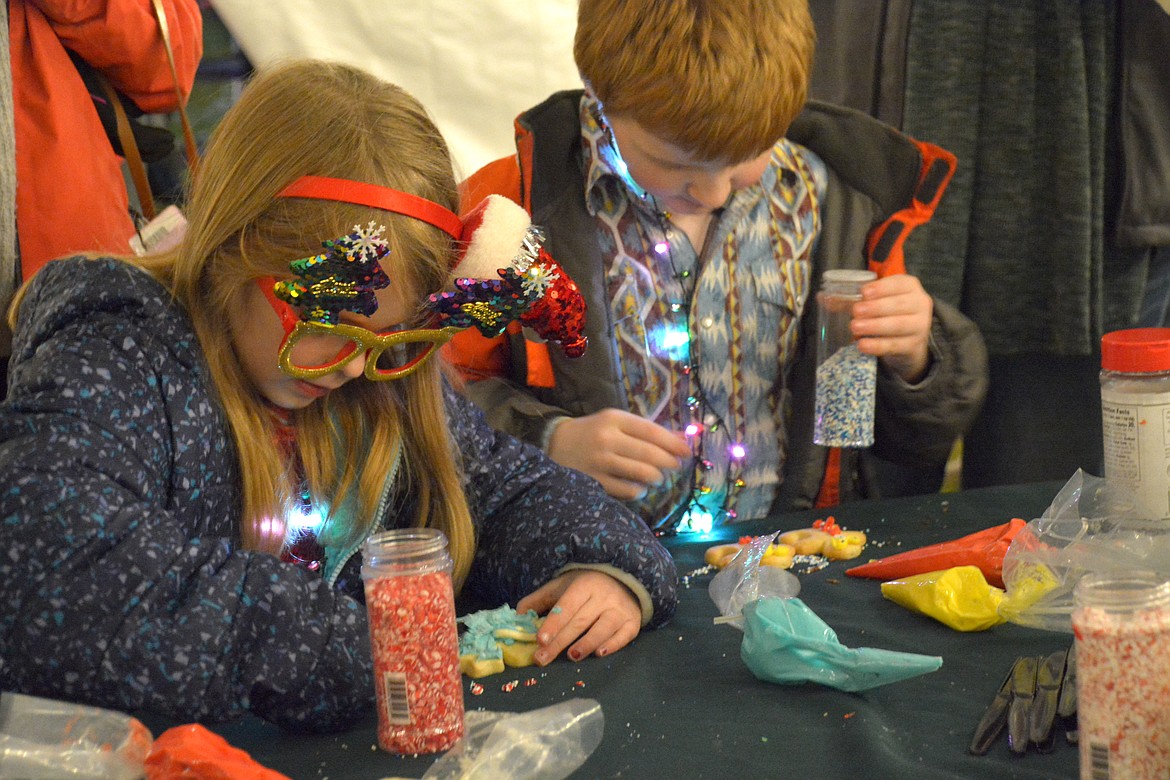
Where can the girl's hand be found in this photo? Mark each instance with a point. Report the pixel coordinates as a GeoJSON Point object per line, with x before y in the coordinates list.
{"type": "Point", "coordinates": [591, 607]}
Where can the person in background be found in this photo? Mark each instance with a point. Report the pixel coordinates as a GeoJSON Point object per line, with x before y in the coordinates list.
{"type": "Point", "coordinates": [696, 199]}
{"type": "Point", "coordinates": [195, 444]}
{"type": "Point", "coordinates": [1085, 206]}
{"type": "Point", "coordinates": [9, 258]}
{"type": "Point", "coordinates": [70, 194]}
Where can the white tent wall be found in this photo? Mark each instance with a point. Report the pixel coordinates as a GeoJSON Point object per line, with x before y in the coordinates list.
{"type": "Point", "coordinates": [475, 64]}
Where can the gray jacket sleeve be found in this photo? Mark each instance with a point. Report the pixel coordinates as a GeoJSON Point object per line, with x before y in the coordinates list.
{"type": "Point", "coordinates": [916, 424]}
{"type": "Point", "coordinates": [513, 408]}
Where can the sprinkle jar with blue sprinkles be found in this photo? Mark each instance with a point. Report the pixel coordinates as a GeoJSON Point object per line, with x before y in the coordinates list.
{"type": "Point", "coordinates": [846, 382]}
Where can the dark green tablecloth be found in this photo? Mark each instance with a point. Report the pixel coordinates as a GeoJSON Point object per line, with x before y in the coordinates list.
{"type": "Point", "coordinates": [679, 702]}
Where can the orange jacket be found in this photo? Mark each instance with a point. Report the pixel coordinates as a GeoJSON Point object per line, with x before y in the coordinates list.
{"type": "Point", "coordinates": [70, 192]}
{"type": "Point", "coordinates": [474, 355]}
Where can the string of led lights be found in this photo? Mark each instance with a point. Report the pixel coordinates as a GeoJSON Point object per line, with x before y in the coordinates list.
{"type": "Point", "coordinates": [694, 513]}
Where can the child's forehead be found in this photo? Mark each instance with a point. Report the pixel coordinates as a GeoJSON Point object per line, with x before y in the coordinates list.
{"type": "Point", "coordinates": [657, 146]}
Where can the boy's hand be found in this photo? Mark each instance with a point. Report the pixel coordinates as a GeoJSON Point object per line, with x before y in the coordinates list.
{"type": "Point", "coordinates": [892, 321]}
{"type": "Point", "coordinates": [622, 451]}
{"type": "Point", "coordinates": [591, 607]}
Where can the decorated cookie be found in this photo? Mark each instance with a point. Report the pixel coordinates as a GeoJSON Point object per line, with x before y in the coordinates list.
{"type": "Point", "coordinates": [806, 541]}
{"type": "Point", "coordinates": [778, 555]}
{"type": "Point", "coordinates": [517, 654]}
{"type": "Point", "coordinates": [479, 654]}
{"type": "Point", "coordinates": [825, 538]}
{"type": "Point", "coordinates": [497, 638]}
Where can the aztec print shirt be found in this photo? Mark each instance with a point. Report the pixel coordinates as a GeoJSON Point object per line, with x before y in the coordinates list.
{"type": "Point", "coordinates": [708, 340]}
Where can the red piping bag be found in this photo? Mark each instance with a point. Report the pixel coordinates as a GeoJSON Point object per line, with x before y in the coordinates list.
{"type": "Point", "coordinates": [984, 549]}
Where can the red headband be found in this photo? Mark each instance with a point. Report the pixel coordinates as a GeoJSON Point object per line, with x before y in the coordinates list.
{"type": "Point", "coordinates": [362, 194]}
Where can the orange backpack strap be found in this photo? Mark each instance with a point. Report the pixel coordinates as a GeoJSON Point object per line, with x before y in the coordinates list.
{"type": "Point", "coordinates": [475, 356]}
{"type": "Point", "coordinates": [884, 245]}
{"type": "Point", "coordinates": [540, 370]}
{"type": "Point", "coordinates": [499, 177]}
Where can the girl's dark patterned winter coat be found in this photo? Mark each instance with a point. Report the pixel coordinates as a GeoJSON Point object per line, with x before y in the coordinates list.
{"type": "Point", "coordinates": [121, 580]}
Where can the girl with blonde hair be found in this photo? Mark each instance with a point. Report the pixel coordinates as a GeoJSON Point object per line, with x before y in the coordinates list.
{"type": "Point", "coordinates": [196, 443]}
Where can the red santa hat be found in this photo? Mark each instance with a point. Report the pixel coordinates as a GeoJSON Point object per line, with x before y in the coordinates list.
{"type": "Point", "coordinates": [498, 237]}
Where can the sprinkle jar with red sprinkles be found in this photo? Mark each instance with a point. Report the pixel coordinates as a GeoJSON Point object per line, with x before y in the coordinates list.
{"type": "Point", "coordinates": [1122, 627]}
{"type": "Point", "coordinates": [414, 640]}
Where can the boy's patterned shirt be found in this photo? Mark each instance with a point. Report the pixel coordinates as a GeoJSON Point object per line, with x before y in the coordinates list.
{"type": "Point", "coordinates": [745, 296]}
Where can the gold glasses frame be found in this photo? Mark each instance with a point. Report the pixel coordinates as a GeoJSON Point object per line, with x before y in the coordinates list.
{"type": "Point", "coordinates": [365, 342]}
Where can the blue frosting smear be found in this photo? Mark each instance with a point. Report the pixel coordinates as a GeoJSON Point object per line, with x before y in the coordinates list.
{"type": "Point", "coordinates": [479, 637]}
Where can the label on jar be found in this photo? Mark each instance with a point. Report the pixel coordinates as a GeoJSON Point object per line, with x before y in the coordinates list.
{"type": "Point", "coordinates": [1136, 428]}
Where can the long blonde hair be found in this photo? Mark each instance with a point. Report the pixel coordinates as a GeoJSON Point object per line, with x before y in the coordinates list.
{"type": "Point", "coordinates": [325, 119]}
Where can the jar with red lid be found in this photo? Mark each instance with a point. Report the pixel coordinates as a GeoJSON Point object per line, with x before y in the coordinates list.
{"type": "Point", "coordinates": [1135, 417]}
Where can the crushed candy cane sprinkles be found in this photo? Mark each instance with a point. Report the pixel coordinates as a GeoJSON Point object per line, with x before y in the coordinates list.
{"type": "Point", "coordinates": [1123, 687]}
{"type": "Point", "coordinates": [416, 662]}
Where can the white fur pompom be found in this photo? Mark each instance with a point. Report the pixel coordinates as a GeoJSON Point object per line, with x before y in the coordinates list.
{"type": "Point", "coordinates": [495, 231]}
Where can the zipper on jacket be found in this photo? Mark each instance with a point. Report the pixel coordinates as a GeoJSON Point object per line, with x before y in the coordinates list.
{"type": "Point", "coordinates": [376, 520]}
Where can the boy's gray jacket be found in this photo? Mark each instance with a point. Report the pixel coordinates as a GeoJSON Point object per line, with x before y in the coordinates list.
{"type": "Point", "coordinates": [874, 171]}
{"type": "Point", "coordinates": [121, 581]}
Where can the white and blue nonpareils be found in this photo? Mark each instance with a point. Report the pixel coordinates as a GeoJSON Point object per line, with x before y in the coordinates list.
{"type": "Point", "coordinates": [846, 387]}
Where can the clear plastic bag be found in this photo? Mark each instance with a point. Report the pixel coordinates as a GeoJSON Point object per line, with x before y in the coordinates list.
{"type": "Point", "coordinates": [44, 739]}
{"type": "Point", "coordinates": [744, 580]}
{"type": "Point", "coordinates": [544, 744]}
{"type": "Point", "coordinates": [1087, 528]}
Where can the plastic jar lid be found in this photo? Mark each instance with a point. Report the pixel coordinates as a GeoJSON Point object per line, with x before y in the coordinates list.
{"type": "Point", "coordinates": [854, 275]}
{"type": "Point", "coordinates": [1138, 350]}
{"type": "Point", "coordinates": [1129, 591]}
{"type": "Point", "coordinates": [845, 281]}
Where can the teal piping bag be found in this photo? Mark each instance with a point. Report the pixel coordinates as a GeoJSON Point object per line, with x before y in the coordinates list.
{"type": "Point", "coordinates": [786, 642]}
